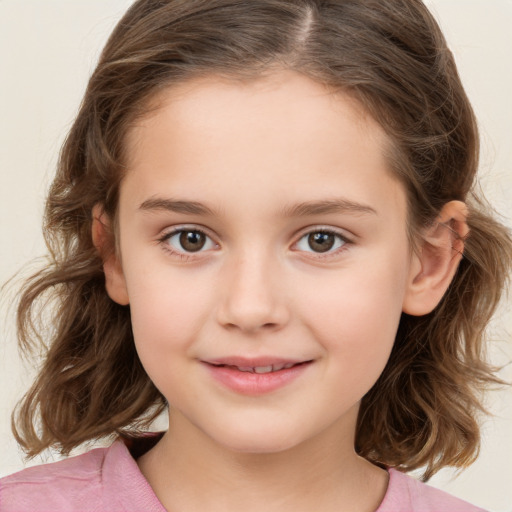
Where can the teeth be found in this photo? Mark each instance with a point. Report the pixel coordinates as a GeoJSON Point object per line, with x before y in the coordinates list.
{"type": "Point", "coordinates": [245, 368]}
{"type": "Point", "coordinates": [263, 369]}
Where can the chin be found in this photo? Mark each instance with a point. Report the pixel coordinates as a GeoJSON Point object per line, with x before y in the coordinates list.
{"type": "Point", "coordinates": [258, 448]}
{"type": "Point", "coordinates": [261, 441]}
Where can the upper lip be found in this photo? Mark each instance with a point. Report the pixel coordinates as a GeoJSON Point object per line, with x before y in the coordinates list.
{"type": "Point", "coordinates": [256, 362]}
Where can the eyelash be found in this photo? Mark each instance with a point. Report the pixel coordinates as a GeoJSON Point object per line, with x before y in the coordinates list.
{"type": "Point", "coordinates": [185, 256]}
{"type": "Point", "coordinates": [345, 241]}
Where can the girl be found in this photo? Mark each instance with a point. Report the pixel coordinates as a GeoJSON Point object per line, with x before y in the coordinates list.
{"type": "Point", "coordinates": [263, 221]}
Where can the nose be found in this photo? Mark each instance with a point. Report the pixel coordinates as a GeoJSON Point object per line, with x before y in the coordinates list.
{"type": "Point", "coordinates": [253, 295]}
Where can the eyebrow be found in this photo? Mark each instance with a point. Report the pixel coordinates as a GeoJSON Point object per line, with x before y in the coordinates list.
{"type": "Point", "coordinates": [304, 209]}
{"type": "Point", "coordinates": [323, 207]}
{"type": "Point", "coordinates": [188, 207]}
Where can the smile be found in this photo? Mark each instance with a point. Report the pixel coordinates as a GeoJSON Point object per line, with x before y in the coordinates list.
{"type": "Point", "coordinates": [255, 377]}
{"type": "Point", "coordinates": [261, 369]}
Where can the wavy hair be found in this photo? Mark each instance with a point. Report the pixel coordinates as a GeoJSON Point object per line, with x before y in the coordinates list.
{"type": "Point", "coordinates": [392, 57]}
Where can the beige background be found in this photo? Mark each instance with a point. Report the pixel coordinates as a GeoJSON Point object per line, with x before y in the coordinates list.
{"type": "Point", "coordinates": [48, 48]}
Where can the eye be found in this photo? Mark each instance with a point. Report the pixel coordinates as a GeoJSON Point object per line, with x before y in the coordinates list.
{"type": "Point", "coordinates": [188, 241]}
{"type": "Point", "coordinates": [321, 242]}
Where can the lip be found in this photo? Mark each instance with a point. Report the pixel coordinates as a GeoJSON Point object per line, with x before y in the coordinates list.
{"type": "Point", "coordinates": [226, 371]}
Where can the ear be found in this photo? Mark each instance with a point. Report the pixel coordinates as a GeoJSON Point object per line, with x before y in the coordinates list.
{"type": "Point", "coordinates": [436, 260]}
{"type": "Point", "coordinates": [102, 238]}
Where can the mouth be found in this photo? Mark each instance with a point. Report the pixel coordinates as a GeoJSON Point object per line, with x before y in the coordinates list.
{"type": "Point", "coordinates": [256, 376]}
{"type": "Point", "coordinates": [269, 368]}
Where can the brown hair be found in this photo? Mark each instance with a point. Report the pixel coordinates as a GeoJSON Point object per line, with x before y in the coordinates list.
{"type": "Point", "coordinates": [392, 57]}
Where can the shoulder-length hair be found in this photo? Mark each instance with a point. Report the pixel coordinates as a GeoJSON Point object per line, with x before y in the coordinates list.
{"type": "Point", "coordinates": [392, 57]}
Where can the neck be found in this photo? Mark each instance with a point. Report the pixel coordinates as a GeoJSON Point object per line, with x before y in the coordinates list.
{"type": "Point", "coordinates": [189, 471]}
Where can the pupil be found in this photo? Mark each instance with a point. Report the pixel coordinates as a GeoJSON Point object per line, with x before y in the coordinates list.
{"type": "Point", "coordinates": [192, 241]}
{"type": "Point", "coordinates": [321, 242]}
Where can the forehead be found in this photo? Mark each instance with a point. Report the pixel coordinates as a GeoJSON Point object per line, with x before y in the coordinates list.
{"type": "Point", "coordinates": [278, 135]}
{"type": "Point", "coordinates": [295, 100]}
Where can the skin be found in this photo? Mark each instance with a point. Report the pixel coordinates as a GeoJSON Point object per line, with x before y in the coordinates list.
{"type": "Point", "coordinates": [249, 154]}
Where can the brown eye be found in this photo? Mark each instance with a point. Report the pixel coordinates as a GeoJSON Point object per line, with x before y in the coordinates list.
{"type": "Point", "coordinates": [321, 242]}
{"type": "Point", "coordinates": [187, 241]}
{"type": "Point", "coordinates": [192, 241]}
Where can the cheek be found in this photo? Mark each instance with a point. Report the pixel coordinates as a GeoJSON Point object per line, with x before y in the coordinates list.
{"type": "Point", "coordinates": [356, 318]}
{"type": "Point", "coordinates": [167, 311]}
{"type": "Point", "coordinates": [165, 321]}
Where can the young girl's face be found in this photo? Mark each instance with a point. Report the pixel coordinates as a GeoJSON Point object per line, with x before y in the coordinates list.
{"type": "Point", "coordinates": [260, 227]}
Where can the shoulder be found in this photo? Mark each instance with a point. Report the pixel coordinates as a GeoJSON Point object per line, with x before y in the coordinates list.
{"type": "Point", "coordinates": [99, 480]}
{"type": "Point", "coordinates": [406, 494]}
{"type": "Point", "coordinates": [54, 486]}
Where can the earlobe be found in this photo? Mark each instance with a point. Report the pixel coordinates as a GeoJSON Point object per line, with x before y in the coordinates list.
{"type": "Point", "coordinates": [102, 238]}
{"type": "Point", "coordinates": [434, 264]}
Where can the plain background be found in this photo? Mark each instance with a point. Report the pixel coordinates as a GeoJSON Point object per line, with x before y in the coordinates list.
{"type": "Point", "coordinates": [47, 51]}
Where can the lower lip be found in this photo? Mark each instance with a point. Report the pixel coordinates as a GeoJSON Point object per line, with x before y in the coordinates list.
{"type": "Point", "coordinates": [255, 384]}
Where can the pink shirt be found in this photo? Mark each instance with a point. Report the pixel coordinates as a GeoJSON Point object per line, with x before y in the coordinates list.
{"type": "Point", "coordinates": [109, 480]}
